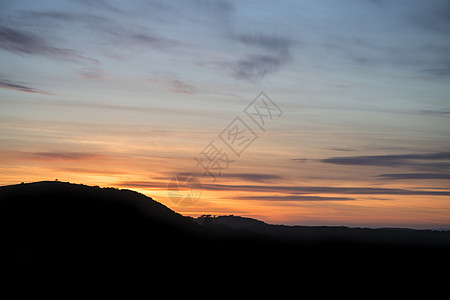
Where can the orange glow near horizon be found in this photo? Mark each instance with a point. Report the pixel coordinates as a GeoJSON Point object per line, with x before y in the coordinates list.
{"type": "Point", "coordinates": [246, 189]}
{"type": "Point", "coordinates": [227, 196]}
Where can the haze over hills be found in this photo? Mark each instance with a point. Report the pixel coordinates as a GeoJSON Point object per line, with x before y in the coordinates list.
{"type": "Point", "coordinates": [70, 228]}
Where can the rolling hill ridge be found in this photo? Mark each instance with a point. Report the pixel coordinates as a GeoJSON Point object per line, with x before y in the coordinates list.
{"type": "Point", "coordinates": [71, 228]}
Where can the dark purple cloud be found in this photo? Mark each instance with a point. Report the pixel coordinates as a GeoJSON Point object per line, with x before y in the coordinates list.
{"type": "Point", "coordinates": [18, 86]}
{"type": "Point", "coordinates": [59, 155]}
{"type": "Point", "coordinates": [270, 54]}
{"type": "Point", "coordinates": [294, 198]}
{"type": "Point", "coordinates": [436, 112]}
{"type": "Point", "coordinates": [24, 42]}
{"type": "Point", "coordinates": [255, 67]}
{"type": "Point", "coordinates": [255, 177]}
{"type": "Point", "coordinates": [389, 160]}
{"type": "Point", "coordinates": [414, 176]}
{"type": "Point", "coordinates": [281, 189]}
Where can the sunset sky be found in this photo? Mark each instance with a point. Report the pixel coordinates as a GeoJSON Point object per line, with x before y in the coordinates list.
{"type": "Point", "coordinates": [130, 93]}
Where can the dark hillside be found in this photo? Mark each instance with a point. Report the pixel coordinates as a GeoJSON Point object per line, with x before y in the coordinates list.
{"type": "Point", "coordinates": [60, 226]}
{"type": "Point", "coordinates": [67, 229]}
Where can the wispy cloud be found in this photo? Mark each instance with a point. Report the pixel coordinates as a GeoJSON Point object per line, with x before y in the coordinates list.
{"type": "Point", "coordinates": [276, 44]}
{"type": "Point", "coordinates": [93, 171]}
{"type": "Point", "coordinates": [388, 160]}
{"type": "Point", "coordinates": [148, 184]}
{"type": "Point", "coordinates": [143, 38]}
{"type": "Point", "coordinates": [67, 17]}
{"type": "Point", "coordinates": [435, 17]}
{"type": "Point", "coordinates": [282, 189]}
{"type": "Point", "coordinates": [19, 86]}
{"type": "Point", "coordinates": [173, 83]}
{"type": "Point", "coordinates": [255, 67]}
{"type": "Point", "coordinates": [255, 177]}
{"type": "Point", "coordinates": [424, 56]}
{"type": "Point", "coordinates": [269, 54]}
{"type": "Point", "coordinates": [262, 55]}
{"type": "Point", "coordinates": [23, 42]}
{"type": "Point", "coordinates": [294, 198]}
{"type": "Point", "coordinates": [436, 112]}
{"type": "Point", "coordinates": [323, 190]}
{"type": "Point", "coordinates": [92, 73]}
{"type": "Point", "coordinates": [101, 5]}
{"type": "Point", "coordinates": [60, 155]}
{"type": "Point", "coordinates": [178, 86]}
{"type": "Point", "coordinates": [442, 70]}
{"type": "Point", "coordinates": [109, 30]}
{"type": "Point", "coordinates": [251, 177]}
{"type": "Point", "coordinates": [414, 176]}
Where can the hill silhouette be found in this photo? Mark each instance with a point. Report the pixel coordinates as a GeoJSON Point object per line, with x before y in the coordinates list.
{"type": "Point", "coordinates": [313, 235]}
{"type": "Point", "coordinates": [69, 229]}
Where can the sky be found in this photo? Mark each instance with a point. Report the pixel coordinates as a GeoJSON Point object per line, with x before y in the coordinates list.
{"type": "Point", "coordinates": [291, 112]}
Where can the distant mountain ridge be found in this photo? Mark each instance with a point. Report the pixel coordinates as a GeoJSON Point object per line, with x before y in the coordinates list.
{"type": "Point", "coordinates": [70, 228]}
{"type": "Point", "coordinates": [317, 234]}
{"type": "Point", "coordinates": [235, 222]}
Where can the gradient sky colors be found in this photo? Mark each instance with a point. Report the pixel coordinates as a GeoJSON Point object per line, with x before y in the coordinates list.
{"type": "Point", "coordinates": [126, 94]}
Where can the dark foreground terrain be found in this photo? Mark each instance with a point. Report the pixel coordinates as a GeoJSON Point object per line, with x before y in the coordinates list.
{"type": "Point", "coordinates": [55, 231]}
